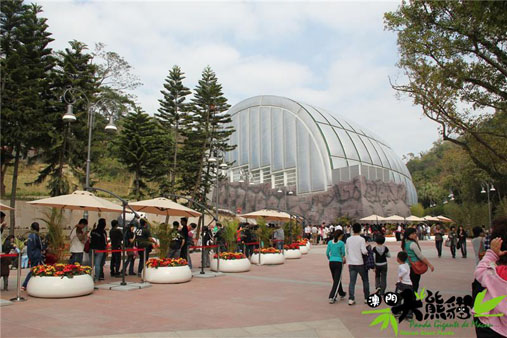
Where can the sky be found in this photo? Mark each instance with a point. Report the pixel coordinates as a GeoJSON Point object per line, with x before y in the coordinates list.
{"type": "Point", "coordinates": [332, 54]}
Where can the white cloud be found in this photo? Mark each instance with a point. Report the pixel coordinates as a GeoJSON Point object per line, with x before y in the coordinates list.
{"type": "Point", "coordinates": [331, 54]}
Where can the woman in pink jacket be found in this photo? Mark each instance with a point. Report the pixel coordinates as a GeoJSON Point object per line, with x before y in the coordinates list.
{"type": "Point", "coordinates": [491, 273]}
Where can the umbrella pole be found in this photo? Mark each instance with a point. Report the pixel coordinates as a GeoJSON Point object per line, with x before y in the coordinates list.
{"type": "Point", "coordinates": [123, 248]}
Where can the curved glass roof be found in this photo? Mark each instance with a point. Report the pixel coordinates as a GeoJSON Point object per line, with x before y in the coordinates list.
{"type": "Point", "coordinates": [282, 133]}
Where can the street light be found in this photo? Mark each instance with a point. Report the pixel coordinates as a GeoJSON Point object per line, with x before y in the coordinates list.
{"type": "Point", "coordinates": [212, 160]}
{"type": "Point", "coordinates": [70, 97]}
{"type": "Point", "coordinates": [489, 187]}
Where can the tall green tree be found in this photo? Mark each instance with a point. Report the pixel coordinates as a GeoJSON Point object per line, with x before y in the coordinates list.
{"type": "Point", "coordinates": [170, 115]}
{"type": "Point", "coordinates": [207, 131]}
{"type": "Point", "coordinates": [454, 56]}
{"type": "Point", "coordinates": [140, 149]}
{"type": "Point", "coordinates": [26, 60]}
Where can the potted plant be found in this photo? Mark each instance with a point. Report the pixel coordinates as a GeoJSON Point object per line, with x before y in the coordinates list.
{"type": "Point", "coordinates": [167, 270]}
{"type": "Point", "coordinates": [60, 281]}
{"type": "Point", "coordinates": [304, 245]}
{"type": "Point", "coordinates": [230, 262]}
{"type": "Point", "coordinates": [292, 251]}
{"type": "Point", "coordinates": [267, 256]}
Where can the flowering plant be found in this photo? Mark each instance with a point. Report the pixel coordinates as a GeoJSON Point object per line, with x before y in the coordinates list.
{"type": "Point", "coordinates": [293, 246]}
{"type": "Point", "coordinates": [165, 262]}
{"type": "Point", "coordinates": [267, 251]}
{"type": "Point", "coordinates": [61, 270]}
{"type": "Point", "coordinates": [230, 255]}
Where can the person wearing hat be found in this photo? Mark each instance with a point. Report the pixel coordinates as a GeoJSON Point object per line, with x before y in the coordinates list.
{"type": "Point", "coordinates": [410, 245]}
{"type": "Point", "coordinates": [34, 246]}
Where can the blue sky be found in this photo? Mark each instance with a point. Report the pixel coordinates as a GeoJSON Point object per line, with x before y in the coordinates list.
{"type": "Point", "coordinates": [332, 54]}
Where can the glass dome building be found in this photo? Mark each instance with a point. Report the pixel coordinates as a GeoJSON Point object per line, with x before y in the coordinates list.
{"type": "Point", "coordinates": [289, 146]}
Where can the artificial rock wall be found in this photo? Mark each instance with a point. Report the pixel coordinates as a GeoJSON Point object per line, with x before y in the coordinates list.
{"type": "Point", "coordinates": [357, 198]}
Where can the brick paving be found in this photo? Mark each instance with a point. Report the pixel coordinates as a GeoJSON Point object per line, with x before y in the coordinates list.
{"type": "Point", "coordinates": [285, 300]}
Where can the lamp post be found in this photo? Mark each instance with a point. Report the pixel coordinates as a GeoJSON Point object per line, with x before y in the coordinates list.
{"type": "Point", "coordinates": [489, 187]}
{"type": "Point", "coordinates": [70, 97]}
{"type": "Point", "coordinates": [220, 166]}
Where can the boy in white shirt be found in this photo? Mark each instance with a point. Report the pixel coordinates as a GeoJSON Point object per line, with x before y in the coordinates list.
{"type": "Point", "coordinates": [404, 281]}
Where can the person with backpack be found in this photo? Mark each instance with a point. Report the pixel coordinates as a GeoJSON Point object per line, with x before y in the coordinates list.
{"type": "Point", "coordinates": [35, 251]}
{"type": "Point", "coordinates": [381, 253]}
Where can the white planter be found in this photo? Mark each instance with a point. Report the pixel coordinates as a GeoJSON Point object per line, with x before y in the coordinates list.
{"type": "Point", "coordinates": [304, 249]}
{"type": "Point", "coordinates": [168, 274]}
{"type": "Point", "coordinates": [231, 265]}
{"type": "Point", "coordinates": [268, 259]}
{"type": "Point", "coordinates": [292, 254]}
{"type": "Point", "coordinates": [308, 245]}
{"type": "Point", "coordinates": [58, 287]}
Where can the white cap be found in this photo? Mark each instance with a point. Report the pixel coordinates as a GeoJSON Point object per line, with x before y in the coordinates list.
{"type": "Point", "coordinates": [339, 227]}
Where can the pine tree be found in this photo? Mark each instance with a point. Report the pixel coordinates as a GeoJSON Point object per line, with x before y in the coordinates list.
{"type": "Point", "coordinates": [206, 132]}
{"type": "Point", "coordinates": [140, 149]}
{"type": "Point", "coordinates": [26, 62]}
{"type": "Point", "coordinates": [170, 115]}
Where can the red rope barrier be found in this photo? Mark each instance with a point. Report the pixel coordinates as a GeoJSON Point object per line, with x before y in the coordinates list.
{"type": "Point", "coordinates": [203, 246]}
{"type": "Point", "coordinates": [253, 243]}
{"type": "Point", "coordinates": [119, 250]}
{"type": "Point", "coordinates": [8, 255]}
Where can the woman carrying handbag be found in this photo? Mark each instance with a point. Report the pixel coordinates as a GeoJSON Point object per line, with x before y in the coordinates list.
{"type": "Point", "coordinates": [418, 263]}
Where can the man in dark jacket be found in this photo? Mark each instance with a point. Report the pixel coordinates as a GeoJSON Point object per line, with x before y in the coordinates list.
{"type": "Point", "coordinates": [34, 251]}
{"type": "Point", "coordinates": [115, 236]}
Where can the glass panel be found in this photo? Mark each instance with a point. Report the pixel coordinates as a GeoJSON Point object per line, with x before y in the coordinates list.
{"type": "Point", "coordinates": [278, 177]}
{"type": "Point", "coordinates": [363, 153]}
{"type": "Point", "coordinates": [335, 147]}
{"type": "Point", "coordinates": [243, 137]}
{"type": "Point", "coordinates": [345, 174]}
{"type": "Point", "coordinates": [354, 171]}
{"type": "Point", "coordinates": [372, 151]}
{"type": "Point", "coordinates": [314, 113]}
{"type": "Point", "coordinates": [303, 160]}
{"type": "Point", "coordinates": [387, 153]}
{"type": "Point", "coordinates": [335, 122]}
{"type": "Point", "coordinates": [383, 158]}
{"type": "Point", "coordinates": [277, 137]}
{"type": "Point", "coordinates": [348, 146]}
{"type": "Point", "coordinates": [364, 171]}
{"type": "Point", "coordinates": [265, 136]}
{"type": "Point", "coordinates": [339, 162]}
{"type": "Point", "coordinates": [254, 138]}
{"type": "Point", "coordinates": [290, 176]}
{"type": "Point", "coordinates": [235, 140]}
{"type": "Point", "coordinates": [289, 127]}
{"type": "Point", "coordinates": [318, 176]}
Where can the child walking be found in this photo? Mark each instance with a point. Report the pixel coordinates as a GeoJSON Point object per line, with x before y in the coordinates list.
{"type": "Point", "coordinates": [335, 253]}
{"type": "Point", "coordinates": [404, 281]}
{"type": "Point", "coordinates": [381, 253]}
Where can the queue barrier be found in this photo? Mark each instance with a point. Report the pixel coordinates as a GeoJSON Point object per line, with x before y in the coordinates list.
{"type": "Point", "coordinates": [92, 259]}
{"type": "Point", "coordinates": [18, 297]}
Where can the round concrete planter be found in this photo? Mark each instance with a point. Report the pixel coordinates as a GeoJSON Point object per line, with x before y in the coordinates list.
{"type": "Point", "coordinates": [292, 254]}
{"type": "Point", "coordinates": [308, 245]}
{"type": "Point", "coordinates": [168, 274]}
{"type": "Point", "coordinates": [58, 287]}
{"type": "Point", "coordinates": [268, 259]}
{"type": "Point", "coordinates": [304, 249]}
{"type": "Point", "coordinates": [231, 265]}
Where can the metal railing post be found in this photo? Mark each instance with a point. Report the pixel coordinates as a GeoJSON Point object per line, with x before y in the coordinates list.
{"type": "Point", "coordinates": [218, 258]}
{"type": "Point", "coordinates": [143, 273]}
{"type": "Point", "coordinates": [260, 253]}
{"type": "Point", "coordinates": [92, 260]}
{"type": "Point", "coordinates": [18, 297]}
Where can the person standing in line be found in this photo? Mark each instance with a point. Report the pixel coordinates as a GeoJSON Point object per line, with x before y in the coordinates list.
{"type": "Point", "coordinates": [381, 253]}
{"type": "Point", "coordinates": [355, 248]}
{"type": "Point", "coordinates": [184, 249]}
{"type": "Point", "coordinates": [8, 247]}
{"type": "Point", "coordinates": [115, 236]}
{"type": "Point", "coordinates": [207, 239]}
{"type": "Point", "coordinates": [410, 245]}
{"type": "Point", "coordinates": [308, 232]}
{"type": "Point", "coordinates": [98, 241]}
{"type": "Point", "coordinates": [315, 234]}
{"type": "Point", "coordinates": [144, 240]}
{"type": "Point", "coordinates": [439, 239]}
{"type": "Point", "coordinates": [279, 237]}
{"type": "Point", "coordinates": [462, 241]}
{"type": "Point", "coordinates": [335, 253]}
{"type": "Point", "coordinates": [130, 237]}
{"type": "Point", "coordinates": [77, 242]}
{"type": "Point", "coordinates": [35, 251]}
{"type": "Point", "coordinates": [478, 244]}
{"type": "Point", "coordinates": [176, 241]}
{"type": "Point", "coordinates": [453, 238]}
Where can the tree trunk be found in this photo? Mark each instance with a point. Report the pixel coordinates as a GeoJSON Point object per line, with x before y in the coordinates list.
{"type": "Point", "coordinates": [13, 191]}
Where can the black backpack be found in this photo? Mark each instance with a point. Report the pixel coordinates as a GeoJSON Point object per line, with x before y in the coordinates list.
{"type": "Point", "coordinates": [381, 258]}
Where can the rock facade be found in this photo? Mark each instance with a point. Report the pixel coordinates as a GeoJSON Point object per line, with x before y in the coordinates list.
{"type": "Point", "coordinates": [356, 199]}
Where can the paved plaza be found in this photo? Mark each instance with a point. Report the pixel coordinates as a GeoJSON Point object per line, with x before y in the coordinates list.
{"type": "Point", "coordinates": [288, 300]}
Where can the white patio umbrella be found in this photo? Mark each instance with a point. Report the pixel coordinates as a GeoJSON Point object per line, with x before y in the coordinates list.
{"type": "Point", "coordinates": [444, 219]}
{"type": "Point", "coordinates": [79, 200]}
{"type": "Point", "coordinates": [413, 218]}
{"type": "Point", "coordinates": [431, 219]}
{"type": "Point", "coordinates": [268, 215]}
{"type": "Point", "coordinates": [394, 218]}
{"type": "Point", "coordinates": [5, 207]}
{"type": "Point", "coordinates": [372, 218]}
{"type": "Point", "coordinates": [163, 206]}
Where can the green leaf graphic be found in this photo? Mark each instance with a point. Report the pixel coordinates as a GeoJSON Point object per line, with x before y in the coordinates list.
{"type": "Point", "coordinates": [394, 323]}
{"type": "Point", "coordinates": [377, 320]}
{"type": "Point", "coordinates": [386, 310]}
{"type": "Point", "coordinates": [421, 295]}
{"type": "Point", "coordinates": [386, 322]}
{"type": "Point", "coordinates": [482, 309]}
